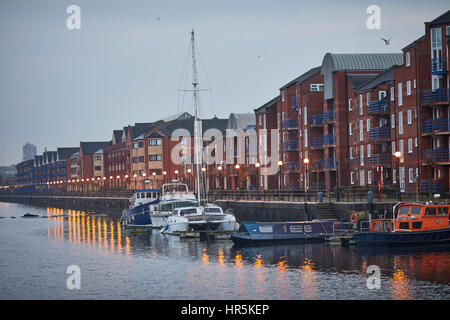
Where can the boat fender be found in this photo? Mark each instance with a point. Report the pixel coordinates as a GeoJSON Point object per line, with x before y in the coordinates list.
{"type": "Point", "coordinates": [354, 218]}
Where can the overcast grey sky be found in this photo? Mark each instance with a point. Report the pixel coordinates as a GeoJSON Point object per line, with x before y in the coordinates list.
{"type": "Point", "coordinates": [60, 86]}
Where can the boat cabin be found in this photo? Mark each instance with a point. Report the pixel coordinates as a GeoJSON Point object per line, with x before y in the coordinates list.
{"type": "Point", "coordinates": [187, 211]}
{"type": "Point", "coordinates": [414, 217]}
{"type": "Point", "coordinates": [142, 196]}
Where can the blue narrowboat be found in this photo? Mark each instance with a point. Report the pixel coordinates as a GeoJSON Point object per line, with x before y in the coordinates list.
{"type": "Point", "coordinates": [256, 233]}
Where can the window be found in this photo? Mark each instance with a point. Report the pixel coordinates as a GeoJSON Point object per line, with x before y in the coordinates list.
{"type": "Point", "coordinates": [409, 116]}
{"type": "Point", "coordinates": [392, 93]}
{"type": "Point", "coordinates": [431, 211]}
{"type": "Point", "coordinates": [400, 122]}
{"type": "Point", "coordinates": [410, 146]}
{"type": "Point", "coordinates": [260, 118]}
{"type": "Point", "coordinates": [135, 160]}
{"type": "Point", "coordinates": [361, 130]}
{"type": "Point", "coordinates": [306, 137]}
{"type": "Point", "coordinates": [351, 152]}
{"type": "Point", "coordinates": [415, 83]}
{"type": "Point", "coordinates": [369, 150]}
{"type": "Point", "coordinates": [282, 96]}
{"type": "Point", "coordinates": [361, 155]}
{"type": "Point", "coordinates": [410, 175]}
{"type": "Point", "coordinates": [141, 144]}
{"type": "Point", "coordinates": [408, 88]}
{"type": "Point", "coordinates": [350, 129]}
{"type": "Point", "coordinates": [367, 98]}
{"type": "Point", "coordinates": [305, 116]}
{"type": "Point", "coordinates": [141, 159]}
{"type": "Point", "coordinates": [394, 176]}
{"type": "Point", "coordinates": [155, 142]}
{"type": "Point", "coordinates": [393, 147]}
{"type": "Point", "coordinates": [381, 95]}
{"type": "Point", "coordinates": [98, 158]}
{"type": "Point", "coordinates": [368, 124]}
{"type": "Point", "coordinates": [97, 168]}
{"type": "Point", "coordinates": [415, 142]}
{"type": "Point", "coordinates": [400, 94]}
{"type": "Point", "coordinates": [352, 180]}
{"type": "Point", "coordinates": [294, 228]}
{"type": "Point", "coordinates": [360, 104]}
{"type": "Point", "coordinates": [401, 149]}
{"type": "Point", "coordinates": [155, 157]}
{"type": "Point", "coordinates": [408, 59]}
{"type": "Point", "coordinates": [361, 178]}
{"type": "Point", "coordinates": [369, 177]}
{"type": "Point", "coordinates": [393, 121]}
{"type": "Point", "coordinates": [135, 145]}
{"type": "Point", "coordinates": [350, 104]}
{"type": "Point", "coordinates": [316, 87]}
{"type": "Point", "coordinates": [415, 112]}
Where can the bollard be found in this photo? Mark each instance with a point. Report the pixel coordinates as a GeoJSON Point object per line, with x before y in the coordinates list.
{"type": "Point", "coordinates": [320, 196]}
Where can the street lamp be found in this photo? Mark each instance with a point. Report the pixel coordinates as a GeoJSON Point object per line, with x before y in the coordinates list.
{"type": "Point", "coordinates": [257, 166]}
{"type": "Point", "coordinates": [219, 168]}
{"type": "Point", "coordinates": [280, 166]}
{"type": "Point", "coordinates": [398, 155]}
{"type": "Point", "coordinates": [164, 176]}
{"type": "Point", "coordinates": [306, 162]}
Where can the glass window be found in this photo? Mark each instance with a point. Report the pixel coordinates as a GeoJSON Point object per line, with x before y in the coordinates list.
{"type": "Point", "coordinates": [404, 210]}
{"type": "Point", "coordinates": [442, 211]}
{"type": "Point", "coordinates": [415, 209]}
{"type": "Point", "coordinates": [431, 211]}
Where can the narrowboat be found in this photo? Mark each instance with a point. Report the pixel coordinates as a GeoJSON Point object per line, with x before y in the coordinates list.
{"type": "Point", "coordinates": [140, 205]}
{"type": "Point", "coordinates": [254, 233]}
{"type": "Point", "coordinates": [412, 224]}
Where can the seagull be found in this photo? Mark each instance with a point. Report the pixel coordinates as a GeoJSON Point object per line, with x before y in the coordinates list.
{"type": "Point", "coordinates": [387, 42]}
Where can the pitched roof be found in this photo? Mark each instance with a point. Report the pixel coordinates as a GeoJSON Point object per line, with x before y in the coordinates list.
{"type": "Point", "coordinates": [188, 124]}
{"type": "Point", "coordinates": [92, 147]}
{"type": "Point", "coordinates": [441, 20]}
{"type": "Point", "coordinates": [356, 80]}
{"type": "Point", "coordinates": [142, 129]}
{"type": "Point", "coordinates": [305, 76]}
{"type": "Point", "coordinates": [65, 153]}
{"type": "Point", "coordinates": [267, 104]}
{"type": "Point", "coordinates": [414, 43]}
{"type": "Point", "coordinates": [117, 134]}
{"type": "Point", "coordinates": [386, 76]}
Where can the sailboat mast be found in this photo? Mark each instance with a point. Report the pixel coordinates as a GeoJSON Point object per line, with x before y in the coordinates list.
{"type": "Point", "coordinates": [197, 126]}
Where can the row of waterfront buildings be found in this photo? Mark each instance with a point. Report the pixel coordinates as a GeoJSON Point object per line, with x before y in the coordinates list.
{"type": "Point", "coordinates": [356, 120]}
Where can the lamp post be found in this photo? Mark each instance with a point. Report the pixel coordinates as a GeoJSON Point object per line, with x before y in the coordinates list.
{"type": "Point", "coordinates": [219, 168]}
{"type": "Point", "coordinates": [306, 162]}
{"type": "Point", "coordinates": [237, 166]}
{"type": "Point", "coordinates": [398, 155]}
{"type": "Point", "coordinates": [205, 182]}
{"type": "Point", "coordinates": [176, 173]}
{"type": "Point", "coordinates": [189, 172]}
{"type": "Point", "coordinates": [143, 181]}
{"type": "Point", "coordinates": [164, 176]}
{"type": "Point", "coordinates": [257, 166]}
{"type": "Point", "coordinates": [280, 166]}
{"type": "Point", "coordinates": [154, 180]}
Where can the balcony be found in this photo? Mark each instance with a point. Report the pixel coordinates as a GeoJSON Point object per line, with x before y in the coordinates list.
{"type": "Point", "coordinates": [327, 163]}
{"type": "Point", "coordinates": [329, 139]}
{"type": "Point", "coordinates": [439, 66]}
{"type": "Point", "coordinates": [436, 185]}
{"type": "Point", "coordinates": [290, 166]}
{"type": "Point", "coordinates": [317, 142]}
{"type": "Point", "coordinates": [381, 133]}
{"type": "Point", "coordinates": [434, 96]}
{"type": "Point", "coordinates": [380, 159]}
{"type": "Point", "coordinates": [437, 155]}
{"type": "Point", "coordinates": [316, 120]}
{"type": "Point", "coordinates": [291, 123]}
{"type": "Point", "coordinates": [436, 125]}
{"type": "Point", "coordinates": [328, 115]}
{"type": "Point", "coordinates": [290, 145]}
{"type": "Point", "coordinates": [294, 103]}
{"type": "Point", "coordinates": [379, 107]}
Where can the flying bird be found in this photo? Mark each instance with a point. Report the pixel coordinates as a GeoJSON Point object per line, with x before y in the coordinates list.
{"type": "Point", "coordinates": [387, 42]}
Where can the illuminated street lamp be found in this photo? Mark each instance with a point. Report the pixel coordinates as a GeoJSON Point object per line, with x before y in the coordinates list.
{"type": "Point", "coordinates": [219, 168]}
{"type": "Point", "coordinates": [257, 166]}
{"type": "Point", "coordinates": [280, 165]}
{"type": "Point", "coordinates": [398, 155]}
{"type": "Point", "coordinates": [306, 162]}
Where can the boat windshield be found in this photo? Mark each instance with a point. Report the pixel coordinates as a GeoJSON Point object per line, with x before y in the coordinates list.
{"type": "Point", "coordinates": [188, 211]}
{"type": "Point", "coordinates": [175, 188]}
{"type": "Point", "coordinates": [213, 210]}
{"type": "Point", "coordinates": [170, 206]}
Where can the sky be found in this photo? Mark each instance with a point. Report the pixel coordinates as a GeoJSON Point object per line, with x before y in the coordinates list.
{"type": "Point", "coordinates": [125, 64]}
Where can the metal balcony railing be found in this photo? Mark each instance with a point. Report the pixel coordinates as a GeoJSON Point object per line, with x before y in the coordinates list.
{"type": "Point", "coordinates": [290, 123]}
{"type": "Point", "coordinates": [316, 119]}
{"type": "Point", "coordinates": [327, 163]}
{"type": "Point", "coordinates": [329, 138]}
{"type": "Point", "coordinates": [291, 166]}
{"type": "Point", "coordinates": [380, 159]}
{"type": "Point", "coordinates": [437, 95]}
{"type": "Point", "coordinates": [380, 133]}
{"type": "Point", "coordinates": [290, 145]}
{"type": "Point", "coordinates": [328, 115]}
{"type": "Point", "coordinates": [294, 103]}
{"type": "Point", "coordinates": [439, 66]}
{"type": "Point", "coordinates": [379, 106]}
{"type": "Point", "coordinates": [437, 155]}
{"type": "Point", "coordinates": [436, 185]}
{"type": "Point", "coordinates": [317, 142]}
{"type": "Point", "coordinates": [436, 125]}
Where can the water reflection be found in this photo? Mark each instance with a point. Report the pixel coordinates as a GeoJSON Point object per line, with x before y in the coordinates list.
{"type": "Point", "coordinates": [308, 281]}
{"type": "Point", "coordinates": [97, 231]}
{"type": "Point", "coordinates": [400, 286]}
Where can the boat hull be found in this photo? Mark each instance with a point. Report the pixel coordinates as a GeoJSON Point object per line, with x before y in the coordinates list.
{"type": "Point", "coordinates": [138, 217]}
{"type": "Point", "coordinates": [255, 233]}
{"type": "Point", "coordinates": [402, 238]}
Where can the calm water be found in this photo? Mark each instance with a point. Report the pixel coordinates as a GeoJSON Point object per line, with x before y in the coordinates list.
{"type": "Point", "coordinates": [35, 254]}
